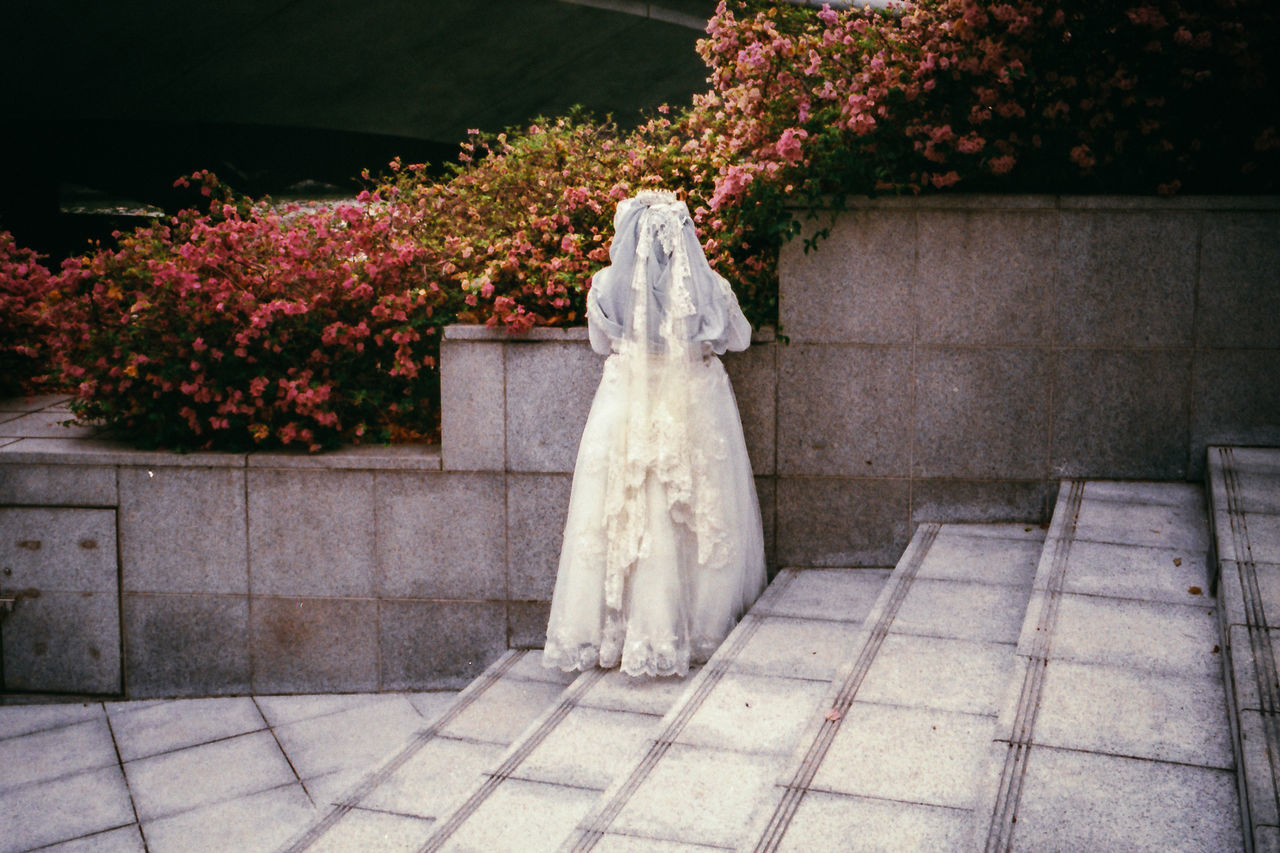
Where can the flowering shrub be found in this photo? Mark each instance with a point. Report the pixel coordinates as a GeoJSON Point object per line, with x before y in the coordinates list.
{"type": "Point", "coordinates": [524, 219]}
{"type": "Point", "coordinates": [1022, 95]}
{"type": "Point", "coordinates": [250, 325]}
{"type": "Point", "coordinates": [24, 283]}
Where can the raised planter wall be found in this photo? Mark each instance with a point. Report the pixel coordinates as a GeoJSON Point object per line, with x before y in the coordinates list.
{"type": "Point", "coordinates": [949, 359]}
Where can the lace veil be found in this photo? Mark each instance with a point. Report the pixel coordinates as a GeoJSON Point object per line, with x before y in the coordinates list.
{"type": "Point", "coordinates": [661, 310]}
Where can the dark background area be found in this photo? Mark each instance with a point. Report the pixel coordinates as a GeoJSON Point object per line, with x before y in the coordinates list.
{"type": "Point", "coordinates": [106, 103]}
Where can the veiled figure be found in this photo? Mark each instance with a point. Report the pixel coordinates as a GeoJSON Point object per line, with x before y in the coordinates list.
{"type": "Point", "coordinates": [663, 550]}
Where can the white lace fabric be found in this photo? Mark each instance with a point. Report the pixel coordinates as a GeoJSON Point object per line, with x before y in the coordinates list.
{"type": "Point", "coordinates": [663, 549]}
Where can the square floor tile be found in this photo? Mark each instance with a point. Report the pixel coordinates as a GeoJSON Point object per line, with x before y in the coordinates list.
{"type": "Point", "coordinates": [700, 796]}
{"type": "Point", "coordinates": [945, 675]}
{"type": "Point", "coordinates": [181, 723]}
{"type": "Point", "coordinates": [1122, 711]}
{"type": "Point", "coordinates": [528, 666]}
{"type": "Point", "coordinates": [1084, 801]}
{"type": "Point", "coordinates": [527, 816]}
{"type": "Point", "coordinates": [1157, 637]}
{"type": "Point", "coordinates": [799, 648]}
{"type": "Point", "coordinates": [835, 822]}
{"type": "Point", "coordinates": [56, 752]}
{"type": "Point", "coordinates": [432, 704]}
{"type": "Point", "coordinates": [909, 754]}
{"type": "Point", "coordinates": [965, 611]}
{"type": "Point", "coordinates": [841, 594]}
{"type": "Point", "coordinates": [179, 781]}
{"type": "Point", "coordinates": [612, 842]}
{"type": "Point", "coordinates": [1130, 571]}
{"type": "Point", "coordinates": [1180, 525]}
{"type": "Point", "coordinates": [750, 713]}
{"type": "Point", "coordinates": [435, 779]}
{"type": "Point", "coordinates": [643, 695]}
{"type": "Point", "coordinates": [282, 710]}
{"type": "Point", "coordinates": [18, 720]}
{"type": "Point", "coordinates": [263, 821]}
{"type": "Point", "coordinates": [64, 808]}
{"type": "Point", "coordinates": [959, 554]}
{"type": "Point", "coordinates": [360, 829]}
{"type": "Point", "coordinates": [505, 710]}
{"type": "Point", "coordinates": [357, 739]}
{"type": "Point", "coordinates": [588, 748]}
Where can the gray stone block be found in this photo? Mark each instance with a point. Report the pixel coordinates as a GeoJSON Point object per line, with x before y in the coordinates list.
{"type": "Point", "coordinates": [58, 485]}
{"type": "Point", "coordinates": [985, 277]}
{"type": "Point", "coordinates": [63, 642]}
{"type": "Point", "coordinates": [829, 521]}
{"type": "Point", "coordinates": [183, 530]}
{"type": "Point", "coordinates": [1121, 414]}
{"type": "Point", "coordinates": [856, 286]}
{"type": "Point", "coordinates": [311, 532]}
{"type": "Point", "coordinates": [981, 413]}
{"type": "Point", "coordinates": [549, 391]}
{"type": "Point", "coordinates": [1087, 801]}
{"type": "Point", "coordinates": [186, 645]}
{"type": "Point", "coordinates": [754, 375]}
{"type": "Point", "coordinates": [537, 505]}
{"type": "Point", "coordinates": [472, 405]}
{"type": "Point", "coordinates": [65, 550]}
{"type": "Point", "coordinates": [767, 494]}
{"type": "Point", "coordinates": [527, 624]}
{"type": "Point", "coordinates": [441, 535]}
{"type": "Point", "coordinates": [1126, 279]}
{"type": "Point", "coordinates": [438, 643]}
{"type": "Point", "coordinates": [1236, 401]}
{"type": "Point", "coordinates": [978, 501]}
{"type": "Point", "coordinates": [843, 411]}
{"type": "Point", "coordinates": [1239, 299]}
{"type": "Point", "coordinates": [314, 645]}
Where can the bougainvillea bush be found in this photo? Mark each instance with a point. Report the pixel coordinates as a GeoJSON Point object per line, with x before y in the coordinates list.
{"type": "Point", "coordinates": [241, 324]}
{"type": "Point", "coordinates": [24, 284]}
{"type": "Point", "coordinates": [1014, 95]}
{"type": "Point", "coordinates": [250, 325]}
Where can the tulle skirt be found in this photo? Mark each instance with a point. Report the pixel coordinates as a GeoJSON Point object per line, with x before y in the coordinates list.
{"type": "Point", "coordinates": [699, 568]}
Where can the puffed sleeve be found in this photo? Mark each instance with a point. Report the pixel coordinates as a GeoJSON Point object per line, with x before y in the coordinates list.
{"type": "Point", "coordinates": [601, 329]}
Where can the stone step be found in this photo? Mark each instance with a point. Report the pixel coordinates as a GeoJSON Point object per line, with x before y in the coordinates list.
{"type": "Point", "coordinates": [890, 756]}
{"type": "Point", "coordinates": [397, 805]}
{"type": "Point", "coordinates": [1244, 492]}
{"type": "Point", "coordinates": [1114, 731]}
{"type": "Point", "coordinates": [715, 754]}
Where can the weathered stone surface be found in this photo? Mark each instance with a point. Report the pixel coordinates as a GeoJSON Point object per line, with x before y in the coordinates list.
{"type": "Point", "coordinates": [1239, 301]}
{"type": "Point", "coordinates": [844, 410]}
{"type": "Point", "coordinates": [1121, 413]}
{"type": "Point", "coordinates": [981, 413]}
{"type": "Point", "coordinates": [1236, 401]}
{"type": "Point", "coordinates": [472, 405]}
{"type": "Point", "coordinates": [537, 505]}
{"type": "Point", "coordinates": [441, 535]}
{"type": "Point", "coordinates": [983, 278]}
{"type": "Point", "coordinates": [58, 485]}
{"type": "Point", "coordinates": [829, 521]}
{"type": "Point", "coordinates": [311, 532]}
{"type": "Point", "coordinates": [314, 645]}
{"type": "Point", "coordinates": [45, 549]}
{"type": "Point", "coordinates": [548, 395]}
{"type": "Point", "coordinates": [527, 624]}
{"type": "Point", "coordinates": [183, 530]}
{"type": "Point", "coordinates": [438, 643]}
{"type": "Point", "coordinates": [978, 501]}
{"type": "Point", "coordinates": [1125, 279]}
{"type": "Point", "coordinates": [186, 645]}
{"type": "Point", "coordinates": [63, 642]}
{"type": "Point", "coordinates": [754, 375]}
{"type": "Point", "coordinates": [856, 287]}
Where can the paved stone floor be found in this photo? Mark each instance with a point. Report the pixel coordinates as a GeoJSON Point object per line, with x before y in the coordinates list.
{"type": "Point", "coordinates": [240, 773]}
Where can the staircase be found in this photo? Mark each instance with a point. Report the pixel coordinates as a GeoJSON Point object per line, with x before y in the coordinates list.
{"type": "Point", "coordinates": [1002, 688]}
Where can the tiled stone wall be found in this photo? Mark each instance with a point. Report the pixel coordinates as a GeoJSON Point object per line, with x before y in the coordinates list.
{"type": "Point", "coordinates": [208, 573]}
{"type": "Point", "coordinates": [952, 357]}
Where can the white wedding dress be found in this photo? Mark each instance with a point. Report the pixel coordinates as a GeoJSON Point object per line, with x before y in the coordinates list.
{"type": "Point", "coordinates": [663, 550]}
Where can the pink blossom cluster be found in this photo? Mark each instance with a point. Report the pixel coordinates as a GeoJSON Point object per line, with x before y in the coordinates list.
{"type": "Point", "coordinates": [251, 325]}
{"type": "Point", "coordinates": [24, 285]}
{"type": "Point", "coordinates": [1145, 96]}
